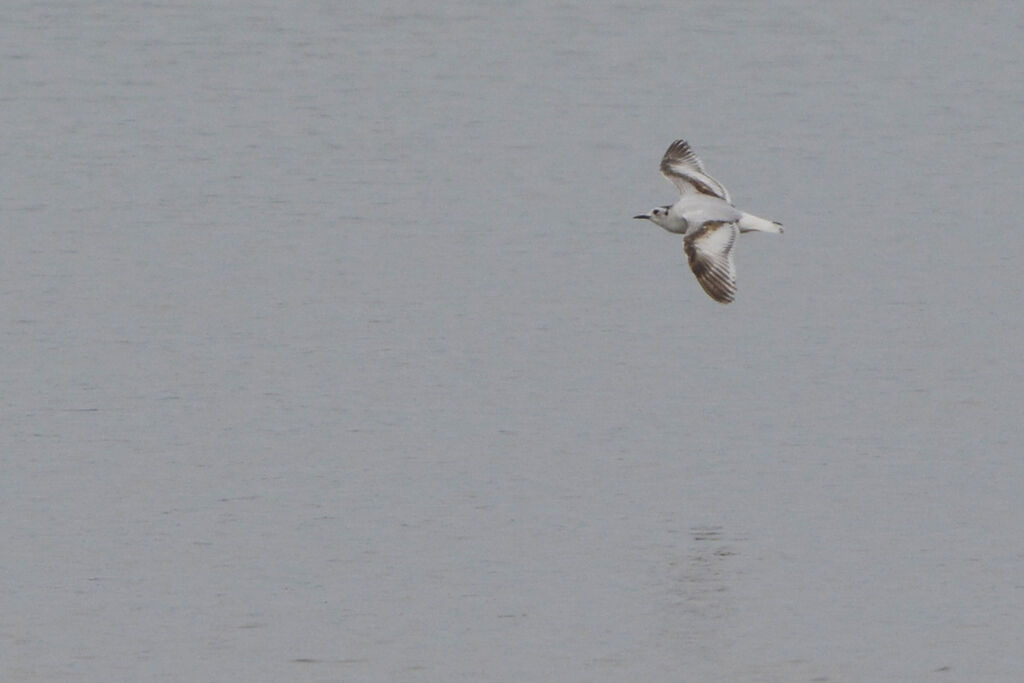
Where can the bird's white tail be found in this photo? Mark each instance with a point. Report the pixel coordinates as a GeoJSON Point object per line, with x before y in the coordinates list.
{"type": "Point", "coordinates": [750, 223]}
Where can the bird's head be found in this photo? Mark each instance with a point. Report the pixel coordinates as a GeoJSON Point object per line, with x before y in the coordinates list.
{"type": "Point", "coordinates": [658, 215]}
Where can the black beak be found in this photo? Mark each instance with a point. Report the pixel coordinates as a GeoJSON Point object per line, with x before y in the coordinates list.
{"type": "Point", "coordinates": [643, 215]}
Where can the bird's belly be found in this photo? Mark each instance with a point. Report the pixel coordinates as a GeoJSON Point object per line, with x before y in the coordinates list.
{"type": "Point", "coordinates": [692, 212]}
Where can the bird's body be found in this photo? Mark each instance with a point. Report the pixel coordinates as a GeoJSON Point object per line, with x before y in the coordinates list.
{"type": "Point", "coordinates": [706, 218]}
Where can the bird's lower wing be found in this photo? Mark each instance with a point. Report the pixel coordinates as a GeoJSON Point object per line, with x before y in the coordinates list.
{"type": "Point", "coordinates": [709, 252]}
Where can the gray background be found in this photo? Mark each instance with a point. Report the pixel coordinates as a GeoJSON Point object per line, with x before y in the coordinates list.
{"type": "Point", "coordinates": [331, 351]}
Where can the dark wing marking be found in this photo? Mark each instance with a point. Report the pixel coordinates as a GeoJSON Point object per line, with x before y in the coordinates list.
{"type": "Point", "coordinates": [684, 170]}
{"type": "Point", "coordinates": [709, 252]}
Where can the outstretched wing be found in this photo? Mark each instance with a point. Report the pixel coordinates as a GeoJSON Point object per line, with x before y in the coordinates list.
{"type": "Point", "coordinates": [682, 167]}
{"type": "Point", "coordinates": [709, 251]}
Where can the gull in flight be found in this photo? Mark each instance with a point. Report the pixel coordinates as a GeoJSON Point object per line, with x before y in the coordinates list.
{"type": "Point", "coordinates": [707, 220]}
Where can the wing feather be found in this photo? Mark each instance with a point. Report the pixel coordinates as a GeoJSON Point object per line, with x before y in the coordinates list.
{"type": "Point", "coordinates": [685, 170]}
{"type": "Point", "coordinates": [709, 252]}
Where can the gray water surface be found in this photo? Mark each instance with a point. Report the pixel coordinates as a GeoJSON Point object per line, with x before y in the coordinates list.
{"type": "Point", "coordinates": [332, 353]}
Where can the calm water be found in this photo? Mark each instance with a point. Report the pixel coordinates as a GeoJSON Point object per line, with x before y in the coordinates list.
{"type": "Point", "coordinates": [331, 352]}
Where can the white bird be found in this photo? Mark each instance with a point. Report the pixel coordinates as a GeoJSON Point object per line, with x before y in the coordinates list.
{"type": "Point", "coordinates": [707, 220]}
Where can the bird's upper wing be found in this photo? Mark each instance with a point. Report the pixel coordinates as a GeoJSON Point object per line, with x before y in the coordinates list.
{"type": "Point", "coordinates": [682, 167]}
{"type": "Point", "coordinates": [709, 251]}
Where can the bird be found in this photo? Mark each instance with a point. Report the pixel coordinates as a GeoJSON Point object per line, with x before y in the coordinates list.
{"type": "Point", "coordinates": [706, 218]}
